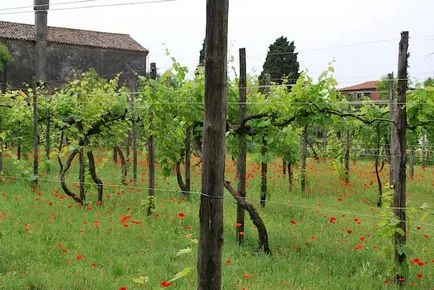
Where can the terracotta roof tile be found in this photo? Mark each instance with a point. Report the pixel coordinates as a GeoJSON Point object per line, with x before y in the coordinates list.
{"type": "Point", "coordinates": [370, 85]}
{"type": "Point", "coordinates": [19, 31]}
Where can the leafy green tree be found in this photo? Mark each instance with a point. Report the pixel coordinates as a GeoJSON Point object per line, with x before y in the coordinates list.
{"type": "Point", "coordinates": [281, 61]}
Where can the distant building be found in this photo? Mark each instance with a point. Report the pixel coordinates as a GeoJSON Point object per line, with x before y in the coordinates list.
{"type": "Point", "coordinates": [363, 90]}
{"type": "Point", "coordinates": [70, 51]}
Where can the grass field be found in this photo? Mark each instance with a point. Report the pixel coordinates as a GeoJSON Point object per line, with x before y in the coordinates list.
{"type": "Point", "coordinates": [325, 239]}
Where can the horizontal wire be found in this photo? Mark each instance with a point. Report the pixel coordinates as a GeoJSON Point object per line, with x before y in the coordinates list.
{"type": "Point", "coordinates": [289, 203]}
{"type": "Point", "coordinates": [43, 5]}
{"type": "Point", "coordinates": [341, 46]}
{"type": "Point", "coordinates": [92, 6]}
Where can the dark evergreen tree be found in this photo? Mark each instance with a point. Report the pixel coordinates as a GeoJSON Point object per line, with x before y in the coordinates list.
{"type": "Point", "coordinates": [202, 55]}
{"type": "Point", "coordinates": [281, 62]}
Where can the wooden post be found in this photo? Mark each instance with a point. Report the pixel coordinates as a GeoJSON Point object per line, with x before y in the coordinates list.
{"type": "Point", "coordinates": [242, 157]}
{"type": "Point", "coordinates": [303, 158]}
{"type": "Point", "coordinates": [133, 88]}
{"type": "Point", "coordinates": [399, 199]}
{"type": "Point", "coordinates": [264, 149]}
{"type": "Point", "coordinates": [347, 152]}
{"type": "Point", "coordinates": [392, 119]}
{"type": "Point", "coordinates": [214, 127]}
{"type": "Point", "coordinates": [35, 137]}
{"type": "Point", "coordinates": [151, 151]}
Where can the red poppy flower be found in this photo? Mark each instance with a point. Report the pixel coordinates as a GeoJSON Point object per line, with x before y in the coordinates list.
{"type": "Point", "coordinates": [228, 262]}
{"type": "Point", "coordinates": [362, 238]}
{"type": "Point", "coordinates": [94, 265]}
{"type": "Point", "coordinates": [123, 288]}
{"type": "Point", "coordinates": [238, 225]}
{"type": "Point", "coordinates": [332, 220]}
{"type": "Point", "coordinates": [419, 275]}
{"type": "Point", "coordinates": [387, 282]}
{"type": "Point", "coordinates": [358, 247]}
{"type": "Point", "coordinates": [59, 245]}
{"type": "Point", "coordinates": [181, 215]}
{"type": "Point", "coordinates": [166, 284]}
{"type": "Point", "coordinates": [79, 256]}
{"type": "Point", "coordinates": [292, 222]}
{"type": "Point", "coordinates": [241, 233]}
{"type": "Point", "coordinates": [349, 231]}
{"type": "Point", "coordinates": [246, 276]}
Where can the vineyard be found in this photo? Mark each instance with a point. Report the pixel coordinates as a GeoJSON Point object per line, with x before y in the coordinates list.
{"type": "Point", "coordinates": [96, 213]}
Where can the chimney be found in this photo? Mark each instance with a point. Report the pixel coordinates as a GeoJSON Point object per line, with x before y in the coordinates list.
{"type": "Point", "coordinates": [41, 11]}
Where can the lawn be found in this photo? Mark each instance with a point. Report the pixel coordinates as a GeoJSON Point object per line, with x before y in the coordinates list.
{"type": "Point", "coordinates": [324, 239]}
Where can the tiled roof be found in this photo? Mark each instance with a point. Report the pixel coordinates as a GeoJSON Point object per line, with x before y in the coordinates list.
{"type": "Point", "coordinates": [371, 85]}
{"type": "Point", "coordinates": [19, 31]}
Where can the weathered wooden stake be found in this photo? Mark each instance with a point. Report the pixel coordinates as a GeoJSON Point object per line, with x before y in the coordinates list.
{"type": "Point", "coordinates": [214, 127]}
{"type": "Point", "coordinates": [242, 158]}
{"type": "Point", "coordinates": [133, 87]}
{"type": "Point", "coordinates": [399, 199]}
{"type": "Point", "coordinates": [264, 149]}
{"type": "Point", "coordinates": [151, 152]}
{"type": "Point", "coordinates": [392, 118]}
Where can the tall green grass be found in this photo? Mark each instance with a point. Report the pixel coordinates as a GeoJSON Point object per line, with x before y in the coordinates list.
{"type": "Point", "coordinates": [48, 242]}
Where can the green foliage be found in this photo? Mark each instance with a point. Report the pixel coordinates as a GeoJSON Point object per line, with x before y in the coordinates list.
{"type": "Point", "coordinates": [5, 57]}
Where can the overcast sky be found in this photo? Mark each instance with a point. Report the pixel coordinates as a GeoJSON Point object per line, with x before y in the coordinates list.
{"type": "Point", "coordinates": [316, 27]}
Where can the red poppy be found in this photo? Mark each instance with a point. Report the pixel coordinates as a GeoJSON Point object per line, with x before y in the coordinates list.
{"type": "Point", "coordinates": [181, 215]}
{"type": "Point", "coordinates": [64, 251]}
{"type": "Point", "coordinates": [387, 282]}
{"type": "Point", "coordinates": [238, 225]}
{"type": "Point", "coordinates": [241, 233]}
{"type": "Point", "coordinates": [362, 238]}
{"type": "Point", "coordinates": [166, 284]}
{"type": "Point", "coordinates": [332, 220]}
{"type": "Point", "coordinates": [187, 227]}
{"type": "Point", "coordinates": [340, 199]}
{"type": "Point", "coordinates": [123, 288]}
{"type": "Point", "coordinates": [59, 245]}
{"type": "Point", "coordinates": [358, 247]}
{"type": "Point", "coordinates": [349, 231]}
{"type": "Point", "coordinates": [246, 276]}
{"type": "Point", "coordinates": [79, 256]}
{"type": "Point", "coordinates": [419, 275]}
{"type": "Point", "coordinates": [94, 265]}
{"type": "Point", "coordinates": [228, 262]}
{"type": "Point", "coordinates": [292, 222]}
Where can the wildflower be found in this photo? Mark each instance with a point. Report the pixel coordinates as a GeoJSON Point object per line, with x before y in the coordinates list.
{"type": "Point", "coordinates": [228, 262]}
{"type": "Point", "coordinates": [419, 275]}
{"type": "Point", "coordinates": [340, 199]}
{"type": "Point", "coordinates": [358, 247]}
{"type": "Point", "coordinates": [349, 231]}
{"type": "Point", "coordinates": [241, 233]}
{"type": "Point", "coordinates": [165, 284]}
{"type": "Point", "coordinates": [292, 222]}
{"type": "Point", "coordinates": [181, 215]}
{"type": "Point", "coordinates": [362, 238]}
{"type": "Point", "coordinates": [59, 245]}
{"type": "Point", "coordinates": [238, 225]}
{"type": "Point", "coordinates": [79, 256]}
{"type": "Point", "coordinates": [246, 276]}
{"type": "Point", "coordinates": [123, 288]}
{"type": "Point", "coordinates": [387, 282]}
{"type": "Point", "coordinates": [332, 220]}
{"type": "Point", "coordinates": [94, 265]}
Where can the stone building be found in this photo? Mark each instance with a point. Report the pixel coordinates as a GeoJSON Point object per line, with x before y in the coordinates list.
{"type": "Point", "coordinates": [70, 51]}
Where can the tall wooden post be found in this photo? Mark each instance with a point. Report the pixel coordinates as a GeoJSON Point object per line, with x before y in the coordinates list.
{"type": "Point", "coordinates": [41, 31]}
{"type": "Point", "coordinates": [399, 199]}
{"type": "Point", "coordinates": [151, 151]}
{"type": "Point", "coordinates": [303, 158]}
{"type": "Point", "coordinates": [133, 88]}
{"type": "Point", "coordinates": [392, 118]}
{"type": "Point", "coordinates": [214, 127]}
{"type": "Point", "coordinates": [264, 149]}
{"type": "Point", "coordinates": [242, 157]}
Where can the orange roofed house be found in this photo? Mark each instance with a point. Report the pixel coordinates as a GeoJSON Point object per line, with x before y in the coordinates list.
{"type": "Point", "coordinates": [363, 90]}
